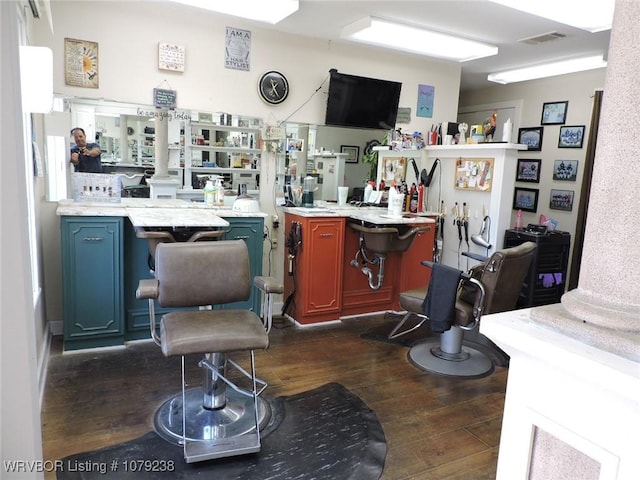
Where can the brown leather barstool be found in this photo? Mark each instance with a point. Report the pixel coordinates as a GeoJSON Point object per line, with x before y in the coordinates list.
{"type": "Point", "coordinates": [223, 417]}
{"type": "Point", "coordinates": [490, 287]}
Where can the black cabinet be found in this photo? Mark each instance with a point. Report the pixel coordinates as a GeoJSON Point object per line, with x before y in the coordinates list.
{"type": "Point", "coordinates": [545, 283]}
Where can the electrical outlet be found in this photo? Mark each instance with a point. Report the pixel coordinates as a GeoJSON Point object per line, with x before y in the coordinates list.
{"type": "Point", "coordinates": [274, 243]}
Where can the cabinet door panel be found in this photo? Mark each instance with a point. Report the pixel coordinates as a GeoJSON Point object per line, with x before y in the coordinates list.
{"type": "Point", "coordinates": [92, 272]}
{"type": "Point", "coordinates": [251, 231]}
{"type": "Point", "coordinates": [323, 243]}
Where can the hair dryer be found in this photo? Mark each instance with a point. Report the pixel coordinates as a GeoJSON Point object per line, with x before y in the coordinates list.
{"type": "Point", "coordinates": [482, 238]}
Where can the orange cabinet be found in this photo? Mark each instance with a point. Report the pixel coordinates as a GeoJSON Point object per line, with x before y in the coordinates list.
{"type": "Point", "coordinates": [324, 284]}
{"type": "Point", "coordinates": [316, 274]}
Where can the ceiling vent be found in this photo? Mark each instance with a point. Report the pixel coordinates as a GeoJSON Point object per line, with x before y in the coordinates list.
{"type": "Point", "coordinates": [544, 38]}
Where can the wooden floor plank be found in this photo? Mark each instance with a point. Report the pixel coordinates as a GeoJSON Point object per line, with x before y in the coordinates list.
{"type": "Point", "coordinates": [436, 427]}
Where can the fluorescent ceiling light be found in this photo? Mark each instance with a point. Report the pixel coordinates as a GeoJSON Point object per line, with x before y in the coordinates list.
{"type": "Point", "coordinates": [384, 33]}
{"type": "Point", "coordinates": [268, 11]}
{"type": "Point", "coordinates": [593, 16]}
{"type": "Point", "coordinates": [548, 70]}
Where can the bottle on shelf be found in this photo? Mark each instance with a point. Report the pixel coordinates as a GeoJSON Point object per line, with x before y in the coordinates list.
{"type": "Point", "coordinates": [219, 195]}
{"type": "Point", "coordinates": [209, 193]}
{"type": "Point", "coordinates": [519, 220]}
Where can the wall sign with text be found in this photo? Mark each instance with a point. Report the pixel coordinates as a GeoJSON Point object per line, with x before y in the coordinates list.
{"type": "Point", "coordinates": [171, 57]}
{"type": "Point", "coordinates": [81, 63]}
{"type": "Point", "coordinates": [163, 98]}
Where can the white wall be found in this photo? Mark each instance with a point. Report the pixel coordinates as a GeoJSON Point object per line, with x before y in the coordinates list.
{"type": "Point", "coordinates": [128, 34]}
{"type": "Point", "coordinates": [578, 90]}
{"type": "Point", "coordinates": [20, 438]}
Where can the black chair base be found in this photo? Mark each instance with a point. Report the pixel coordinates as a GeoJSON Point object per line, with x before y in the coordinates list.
{"type": "Point", "coordinates": [234, 420]}
{"type": "Point", "coordinates": [427, 356]}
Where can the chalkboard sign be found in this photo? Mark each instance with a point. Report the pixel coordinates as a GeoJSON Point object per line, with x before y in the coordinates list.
{"type": "Point", "coordinates": [164, 98]}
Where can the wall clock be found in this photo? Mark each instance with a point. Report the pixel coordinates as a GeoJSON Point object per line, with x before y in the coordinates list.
{"type": "Point", "coordinates": [273, 87]}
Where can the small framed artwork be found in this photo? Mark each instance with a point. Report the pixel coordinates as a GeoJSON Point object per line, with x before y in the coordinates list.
{"type": "Point", "coordinates": [81, 63]}
{"type": "Point", "coordinates": [565, 170]}
{"type": "Point", "coordinates": [171, 57]}
{"type": "Point", "coordinates": [531, 137]}
{"type": "Point", "coordinates": [474, 174]}
{"type": "Point", "coordinates": [561, 200]}
{"type": "Point", "coordinates": [528, 170]}
{"type": "Point", "coordinates": [554, 113]}
{"type": "Point", "coordinates": [525, 199]}
{"type": "Point", "coordinates": [571, 137]}
{"type": "Point", "coordinates": [352, 151]}
{"type": "Point", "coordinates": [295, 145]}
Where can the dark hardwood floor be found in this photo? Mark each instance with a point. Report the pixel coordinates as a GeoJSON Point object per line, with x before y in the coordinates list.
{"type": "Point", "coordinates": [435, 427]}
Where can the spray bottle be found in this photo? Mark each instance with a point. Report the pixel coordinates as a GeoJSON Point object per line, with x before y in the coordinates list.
{"type": "Point", "coordinates": [219, 196]}
{"type": "Point", "coordinates": [209, 193]}
{"type": "Point", "coordinates": [519, 220]}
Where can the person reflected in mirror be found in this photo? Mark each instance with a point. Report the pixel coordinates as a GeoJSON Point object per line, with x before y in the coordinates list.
{"type": "Point", "coordinates": [85, 157]}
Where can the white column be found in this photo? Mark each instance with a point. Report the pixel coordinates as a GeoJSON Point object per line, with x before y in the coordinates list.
{"type": "Point", "coordinates": [124, 140]}
{"type": "Point", "coordinates": [162, 144]}
{"type": "Point", "coordinates": [605, 308]}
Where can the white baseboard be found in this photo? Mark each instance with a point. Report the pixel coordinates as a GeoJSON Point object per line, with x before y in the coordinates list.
{"type": "Point", "coordinates": [56, 327]}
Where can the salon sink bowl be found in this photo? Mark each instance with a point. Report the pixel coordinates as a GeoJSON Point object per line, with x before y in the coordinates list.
{"type": "Point", "coordinates": [382, 240]}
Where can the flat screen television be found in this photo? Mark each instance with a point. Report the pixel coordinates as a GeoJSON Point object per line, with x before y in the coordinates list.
{"type": "Point", "coordinates": [362, 102]}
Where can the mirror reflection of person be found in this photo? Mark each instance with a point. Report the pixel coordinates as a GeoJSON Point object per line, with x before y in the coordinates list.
{"type": "Point", "coordinates": [85, 157]}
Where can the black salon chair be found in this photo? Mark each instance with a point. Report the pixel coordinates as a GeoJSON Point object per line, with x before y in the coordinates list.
{"type": "Point", "coordinates": [224, 416]}
{"type": "Point", "coordinates": [490, 287]}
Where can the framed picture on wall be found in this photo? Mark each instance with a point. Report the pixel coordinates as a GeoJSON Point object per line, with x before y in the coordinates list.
{"type": "Point", "coordinates": [528, 170]}
{"type": "Point", "coordinates": [565, 170]}
{"type": "Point", "coordinates": [525, 199]}
{"type": "Point", "coordinates": [554, 113]}
{"type": "Point", "coordinates": [571, 137]}
{"type": "Point", "coordinates": [531, 137]}
{"type": "Point", "coordinates": [352, 151]}
{"type": "Point", "coordinates": [295, 145]}
{"type": "Point", "coordinates": [81, 63]}
{"type": "Point", "coordinates": [561, 200]}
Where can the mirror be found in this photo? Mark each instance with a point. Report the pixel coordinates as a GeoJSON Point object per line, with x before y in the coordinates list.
{"type": "Point", "coordinates": [216, 143]}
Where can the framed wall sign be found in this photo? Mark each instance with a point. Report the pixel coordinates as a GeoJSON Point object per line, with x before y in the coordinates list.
{"type": "Point", "coordinates": [163, 98]}
{"type": "Point", "coordinates": [525, 199]}
{"type": "Point", "coordinates": [81, 63]}
{"type": "Point", "coordinates": [237, 49]}
{"type": "Point", "coordinates": [171, 57]}
{"type": "Point", "coordinates": [561, 200]}
{"type": "Point", "coordinates": [352, 151]}
{"type": "Point", "coordinates": [531, 137]}
{"type": "Point", "coordinates": [528, 170]}
{"type": "Point", "coordinates": [571, 137]}
{"type": "Point", "coordinates": [554, 113]}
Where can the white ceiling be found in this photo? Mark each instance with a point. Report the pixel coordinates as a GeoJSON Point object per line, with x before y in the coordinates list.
{"type": "Point", "coordinates": [475, 19]}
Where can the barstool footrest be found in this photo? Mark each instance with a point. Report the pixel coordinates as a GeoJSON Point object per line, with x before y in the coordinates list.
{"type": "Point", "coordinates": [199, 451]}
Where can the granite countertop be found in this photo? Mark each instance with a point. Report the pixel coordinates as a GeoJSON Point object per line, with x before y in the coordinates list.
{"type": "Point", "coordinates": [373, 215]}
{"type": "Point", "coordinates": [167, 217]}
{"type": "Point", "coordinates": [128, 206]}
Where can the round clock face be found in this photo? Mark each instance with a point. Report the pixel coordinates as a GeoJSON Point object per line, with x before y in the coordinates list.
{"type": "Point", "coordinates": [273, 87]}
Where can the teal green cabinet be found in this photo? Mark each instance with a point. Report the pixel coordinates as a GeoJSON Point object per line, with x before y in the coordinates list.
{"type": "Point", "coordinates": [251, 230]}
{"type": "Point", "coordinates": [93, 287]}
{"type": "Point", "coordinates": [102, 264]}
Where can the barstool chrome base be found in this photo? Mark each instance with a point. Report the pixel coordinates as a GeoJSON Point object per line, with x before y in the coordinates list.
{"type": "Point", "coordinates": [235, 419]}
{"type": "Point", "coordinates": [476, 365]}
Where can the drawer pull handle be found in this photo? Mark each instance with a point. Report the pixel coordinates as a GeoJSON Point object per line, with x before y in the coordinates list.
{"type": "Point", "coordinates": [327, 235]}
{"type": "Point", "coordinates": [93, 239]}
